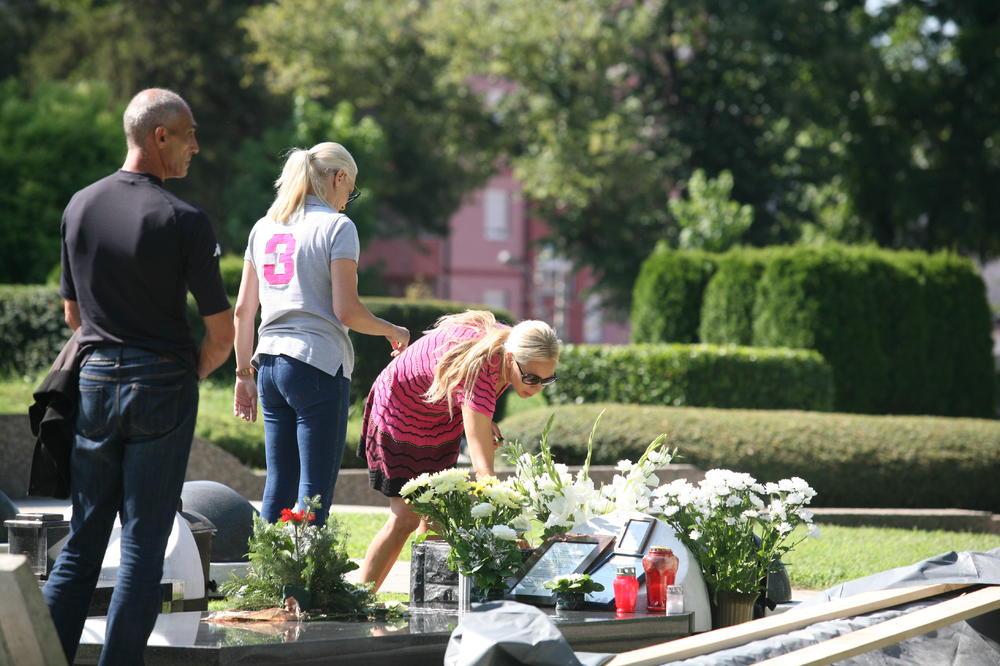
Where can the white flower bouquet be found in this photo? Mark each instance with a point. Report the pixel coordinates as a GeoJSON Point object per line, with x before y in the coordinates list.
{"type": "Point", "coordinates": [481, 520]}
{"type": "Point", "coordinates": [559, 500]}
{"type": "Point", "coordinates": [737, 528]}
{"type": "Point", "coordinates": [553, 497]}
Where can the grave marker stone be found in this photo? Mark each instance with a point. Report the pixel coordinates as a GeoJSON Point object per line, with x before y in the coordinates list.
{"type": "Point", "coordinates": [27, 635]}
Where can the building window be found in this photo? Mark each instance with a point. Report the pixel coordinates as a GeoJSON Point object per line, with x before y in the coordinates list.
{"type": "Point", "coordinates": [593, 320]}
{"type": "Point", "coordinates": [495, 298]}
{"type": "Point", "coordinates": [496, 207]}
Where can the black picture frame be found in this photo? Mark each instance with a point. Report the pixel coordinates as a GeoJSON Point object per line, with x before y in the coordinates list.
{"type": "Point", "coordinates": [557, 556]}
{"type": "Point", "coordinates": [634, 536]}
{"type": "Point", "coordinates": [604, 573]}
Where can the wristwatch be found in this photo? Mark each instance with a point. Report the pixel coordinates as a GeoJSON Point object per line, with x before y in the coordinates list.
{"type": "Point", "coordinates": [247, 372]}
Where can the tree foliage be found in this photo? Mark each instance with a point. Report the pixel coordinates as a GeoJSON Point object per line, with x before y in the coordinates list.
{"type": "Point", "coordinates": [708, 218]}
{"type": "Point", "coordinates": [52, 142]}
{"type": "Point", "coordinates": [438, 136]}
{"type": "Point", "coordinates": [838, 120]}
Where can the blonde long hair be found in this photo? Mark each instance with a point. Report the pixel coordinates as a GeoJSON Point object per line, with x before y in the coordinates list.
{"type": "Point", "coordinates": [305, 173]}
{"type": "Point", "coordinates": [529, 340]}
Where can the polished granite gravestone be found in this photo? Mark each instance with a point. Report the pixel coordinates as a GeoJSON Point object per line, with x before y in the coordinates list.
{"type": "Point", "coordinates": [421, 638]}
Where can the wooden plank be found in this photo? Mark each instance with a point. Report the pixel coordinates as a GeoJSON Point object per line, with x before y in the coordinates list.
{"type": "Point", "coordinates": [894, 631]}
{"type": "Point", "coordinates": [796, 618]}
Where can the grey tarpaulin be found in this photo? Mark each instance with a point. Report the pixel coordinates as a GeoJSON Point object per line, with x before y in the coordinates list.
{"type": "Point", "coordinates": [509, 633]}
{"type": "Point", "coordinates": [975, 642]}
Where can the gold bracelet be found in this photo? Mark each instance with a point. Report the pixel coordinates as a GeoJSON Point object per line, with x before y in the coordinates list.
{"type": "Point", "coordinates": [247, 372]}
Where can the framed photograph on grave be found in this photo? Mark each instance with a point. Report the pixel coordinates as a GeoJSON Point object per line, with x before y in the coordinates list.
{"type": "Point", "coordinates": [634, 536]}
{"type": "Point", "coordinates": [558, 556]}
{"type": "Point", "coordinates": [604, 573]}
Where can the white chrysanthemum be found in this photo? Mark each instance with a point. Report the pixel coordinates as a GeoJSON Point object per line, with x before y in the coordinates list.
{"type": "Point", "coordinates": [482, 510]}
{"type": "Point", "coordinates": [521, 523]}
{"type": "Point", "coordinates": [426, 497]}
{"type": "Point", "coordinates": [784, 528]}
{"type": "Point", "coordinates": [734, 500]}
{"type": "Point", "coordinates": [504, 532]}
{"type": "Point", "coordinates": [730, 520]}
{"type": "Point", "coordinates": [695, 535]}
{"type": "Point", "coordinates": [413, 485]}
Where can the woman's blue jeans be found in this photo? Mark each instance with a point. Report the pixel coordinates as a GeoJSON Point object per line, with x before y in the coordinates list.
{"type": "Point", "coordinates": [305, 426]}
{"type": "Point", "coordinates": [134, 426]}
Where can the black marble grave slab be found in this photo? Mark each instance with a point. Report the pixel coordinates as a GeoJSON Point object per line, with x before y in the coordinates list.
{"type": "Point", "coordinates": [421, 638]}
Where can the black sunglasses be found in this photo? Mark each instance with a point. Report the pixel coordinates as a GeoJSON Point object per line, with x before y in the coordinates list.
{"type": "Point", "coordinates": [353, 196]}
{"type": "Point", "coordinates": [532, 379]}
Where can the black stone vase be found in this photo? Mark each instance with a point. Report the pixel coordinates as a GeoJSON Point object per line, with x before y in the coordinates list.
{"type": "Point", "coordinates": [569, 600]}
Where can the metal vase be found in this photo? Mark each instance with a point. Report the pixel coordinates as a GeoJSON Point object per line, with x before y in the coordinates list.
{"type": "Point", "coordinates": [464, 593]}
{"type": "Point", "coordinates": [734, 608]}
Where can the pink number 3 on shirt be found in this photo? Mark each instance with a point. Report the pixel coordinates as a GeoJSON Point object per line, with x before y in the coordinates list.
{"type": "Point", "coordinates": [282, 266]}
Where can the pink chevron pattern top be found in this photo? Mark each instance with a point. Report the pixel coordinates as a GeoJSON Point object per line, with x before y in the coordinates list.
{"type": "Point", "coordinates": [402, 434]}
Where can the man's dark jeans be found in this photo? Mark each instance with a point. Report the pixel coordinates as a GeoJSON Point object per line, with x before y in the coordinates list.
{"type": "Point", "coordinates": [134, 428]}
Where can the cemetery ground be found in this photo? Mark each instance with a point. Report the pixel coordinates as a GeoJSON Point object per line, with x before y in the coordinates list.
{"type": "Point", "coordinates": [839, 554]}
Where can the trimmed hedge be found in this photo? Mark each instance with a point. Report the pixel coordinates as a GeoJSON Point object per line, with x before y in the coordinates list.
{"type": "Point", "coordinates": [231, 267]}
{"type": "Point", "coordinates": [31, 323]}
{"type": "Point", "coordinates": [32, 328]}
{"type": "Point", "coordinates": [727, 306]}
{"type": "Point", "coordinates": [693, 375]}
{"type": "Point", "coordinates": [851, 460]}
{"type": "Point", "coordinates": [904, 332]}
{"type": "Point", "coordinates": [666, 301]}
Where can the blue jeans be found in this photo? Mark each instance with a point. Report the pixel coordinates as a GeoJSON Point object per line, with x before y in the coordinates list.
{"type": "Point", "coordinates": [134, 427]}
{"type": "Point", "coordinates": [305, 427]}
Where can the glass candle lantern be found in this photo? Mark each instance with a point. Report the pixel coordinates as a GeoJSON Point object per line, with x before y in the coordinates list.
{"type": "Point", "coordinates": [626, 587]}
{"type": "Point", "coordinates": [660, 565]}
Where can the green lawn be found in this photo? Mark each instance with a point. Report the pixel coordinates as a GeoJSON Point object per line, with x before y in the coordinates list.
{"type": "Point", "coordinates": [840, 554]}
{"type": "Point", "coordinates": [15, 393]}
{"type": "Point", "coordinates": [216, 422]}
{"type": "Point", "coordinates": [362, 528]}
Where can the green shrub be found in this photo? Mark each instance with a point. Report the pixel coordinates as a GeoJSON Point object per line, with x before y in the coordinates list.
{"type": "Point", "coordinates": [31, 320]}
{"type": "Point", "coordinates": [231, 267]}
{"type": "Point", "coordinates": [851, 460]}
{"type": "Point", "coordinates": [903, 332]}
{"type": "Point", "coordinates": [959, 345]}
{"type": "Point", "coordinates": [666, 301]}
{"type": "Point", "coordinates": [693, 375]}
{"type": "Point", "coordinates": [727, 309]}
{"type": "Point", "coordinates": [32, 328]}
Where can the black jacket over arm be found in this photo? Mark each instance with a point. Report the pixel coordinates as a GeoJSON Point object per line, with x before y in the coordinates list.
{"type": "Point", "coordinates": [52, 417]}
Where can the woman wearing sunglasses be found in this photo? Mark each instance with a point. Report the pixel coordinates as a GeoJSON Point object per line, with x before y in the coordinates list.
{"type": "Point", "coordinates": [442, 387]}
{"type": "Point", "coordinates": [301, 269]}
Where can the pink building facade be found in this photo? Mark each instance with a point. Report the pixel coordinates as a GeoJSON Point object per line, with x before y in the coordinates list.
{"type": "Point", "coordinates": [495, 255]}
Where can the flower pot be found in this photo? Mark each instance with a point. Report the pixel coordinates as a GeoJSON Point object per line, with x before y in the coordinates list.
{"type": "Point", "coordinates": [734, 608]}
{"type": "Point", "coordinates": [569, 600]}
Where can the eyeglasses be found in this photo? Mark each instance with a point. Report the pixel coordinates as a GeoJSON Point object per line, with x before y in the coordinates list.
{"type": "Point", "coordinates": [353, 196]}
{"type": "Point", "coordinates": [355, 193]}
{"type": "Point", "coordinates": [532, 379]}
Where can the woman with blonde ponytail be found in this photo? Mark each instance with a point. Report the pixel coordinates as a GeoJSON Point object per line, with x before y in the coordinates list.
{"type": "Point", "coordinates": [442, 387]}
{"type": "Point", "coordinates": [301, 269]}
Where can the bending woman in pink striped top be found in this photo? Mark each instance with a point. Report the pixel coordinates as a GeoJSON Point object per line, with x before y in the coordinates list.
{"type": "Point", "coordinates": [419, 408]}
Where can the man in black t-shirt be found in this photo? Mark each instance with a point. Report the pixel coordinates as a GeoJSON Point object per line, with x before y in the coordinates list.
{"type": "Point", "coordinates": [131, 251]}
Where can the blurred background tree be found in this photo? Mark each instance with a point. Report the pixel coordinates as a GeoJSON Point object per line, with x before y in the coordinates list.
{"type": "Point", "coordinates": [843, 120]}
{"type": "Point", "coordinates": [708, 218]}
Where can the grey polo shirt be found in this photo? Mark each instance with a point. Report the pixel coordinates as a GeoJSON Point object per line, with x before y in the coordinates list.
{"type": "Point", "coordinates": [292, 262]}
